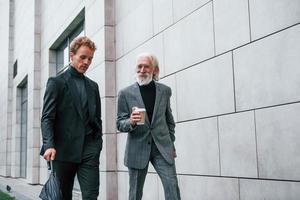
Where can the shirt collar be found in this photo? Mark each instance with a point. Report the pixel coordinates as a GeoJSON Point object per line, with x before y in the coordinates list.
{"type": "Point", "coordinates": [74, 72]}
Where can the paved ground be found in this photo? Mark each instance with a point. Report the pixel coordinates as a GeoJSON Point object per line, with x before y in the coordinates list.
{"type": "Point", "coordinates": [20, 189]}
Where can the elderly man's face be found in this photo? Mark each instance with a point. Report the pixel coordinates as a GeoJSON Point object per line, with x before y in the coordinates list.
{"type": "Point", "coordinates": [144, 71]}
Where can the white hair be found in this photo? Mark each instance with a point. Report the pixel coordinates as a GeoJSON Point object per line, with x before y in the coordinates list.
{"type": "Point", "coordinates": [153, 61]}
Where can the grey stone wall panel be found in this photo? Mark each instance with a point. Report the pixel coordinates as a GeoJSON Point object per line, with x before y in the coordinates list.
{"type": "Point", "coordinates": [268, 16]}
{"type": "Point", "coordinates": [278, 141]}
{"type": "Point", "coordinates": [197, 147]}
{"type": "Point", "coordinates": [209, 188]}
{"type": "Point", "coordinates": [267, 71]}
{"type": "Point", "coordinates": [266, 189]}
{"type": "Point", "coordinates": [238, 145]}
{"type": "Point", "coordinates": [190, 40]}
{"type": "Point", "coordinates": [231, 28]}
{"type": "Point", "coordinates": [162, 14]}
{"type": "Point", "coordinates": [205, 89]}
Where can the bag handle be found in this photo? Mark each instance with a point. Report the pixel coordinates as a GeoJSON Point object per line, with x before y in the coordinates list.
{"type": "Point", "coordinates": [50, 165]}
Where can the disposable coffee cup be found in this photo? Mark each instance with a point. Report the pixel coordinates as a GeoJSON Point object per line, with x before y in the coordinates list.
{"type": "Point", "coordinates": [142, 112]}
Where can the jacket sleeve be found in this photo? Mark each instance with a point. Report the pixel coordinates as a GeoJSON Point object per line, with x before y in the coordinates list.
{"type": "Point", "coordinates": [123, 115]}
{"type": "Point", "coordinates": [170, 118]}
{"type": "Point", "coordinates": [49, 114]}
{"type": "Point", "coordinates": [98, 119]}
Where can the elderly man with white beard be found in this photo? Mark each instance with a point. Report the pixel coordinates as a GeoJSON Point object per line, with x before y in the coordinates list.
{"type": "Point", "coordinates": [153, 140]}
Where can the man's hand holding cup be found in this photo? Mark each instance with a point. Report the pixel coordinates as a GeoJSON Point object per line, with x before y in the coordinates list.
{"type": "Point", "coordinates": [137, 116]}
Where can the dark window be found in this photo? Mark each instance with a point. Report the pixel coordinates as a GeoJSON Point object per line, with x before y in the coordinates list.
{"type": "Point", "coordinates": [61, 46]}
{"type": "Point", "coordinates": [15, 71]}
{"type": "Point", "coordinates": [62, 52]}
{"type": "Point", "coordinates": [23, 92]}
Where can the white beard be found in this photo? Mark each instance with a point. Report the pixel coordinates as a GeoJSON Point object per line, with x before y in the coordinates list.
{"type": "Point", "coordinates": [144, 81]}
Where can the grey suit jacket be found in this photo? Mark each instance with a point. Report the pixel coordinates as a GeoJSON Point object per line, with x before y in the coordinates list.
{"type": "Point", "coordinates": [161, 129]}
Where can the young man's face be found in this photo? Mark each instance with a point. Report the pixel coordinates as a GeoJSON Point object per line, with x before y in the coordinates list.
{"type": "Point", "coordinates": [82, 59]}
{"type": "Point", "coordinates": [144, 70]}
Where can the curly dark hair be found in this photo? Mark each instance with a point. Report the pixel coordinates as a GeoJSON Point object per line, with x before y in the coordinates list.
{"type": "Point", "coordinates": [82, 41]}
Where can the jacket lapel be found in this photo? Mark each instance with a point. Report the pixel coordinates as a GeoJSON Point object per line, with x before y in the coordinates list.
{"type": "Point", "coordinates": [90, 98]}
{"type": "Point", "coordinates": [158, 95]}
{"type": "Point", "coordinates": [73, 90]}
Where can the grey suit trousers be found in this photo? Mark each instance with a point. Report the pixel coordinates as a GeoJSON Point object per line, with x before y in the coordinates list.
{"type": "Point", "coordinates": [166, 172]}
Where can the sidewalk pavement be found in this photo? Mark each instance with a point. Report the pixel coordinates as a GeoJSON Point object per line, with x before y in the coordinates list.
{"type": "Point", "coordinates": [20, 189]}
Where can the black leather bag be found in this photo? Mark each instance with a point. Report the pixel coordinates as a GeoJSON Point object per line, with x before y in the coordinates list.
{"type": "Point", "coordinates": [51, 189]}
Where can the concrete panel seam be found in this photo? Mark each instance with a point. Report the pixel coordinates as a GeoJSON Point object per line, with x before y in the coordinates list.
{"type": "Point", "coordinates": [202, 61]}
{"type": "Point", "coordinates": [239, 188]}
{"type": "Point", "coordinates": [214, 31]}
{"type": "Point", "coordinates": [255, 132]}
{"type": "Point", "coordinates": [188, 14]}
{"type": "Point", "coordinates": [233, 79]}
{"type": "Point", "coordinates": [273, 33]}
{"type": "Point", "coordinates": [249, 17]}
{"type": "Point", "coordinates": [229, 113]}
{"type": "Point", "coordinates": [219, 147]}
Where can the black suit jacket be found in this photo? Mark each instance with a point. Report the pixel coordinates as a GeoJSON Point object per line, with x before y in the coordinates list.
{"type": "Point", "coordinates": [62, 123]}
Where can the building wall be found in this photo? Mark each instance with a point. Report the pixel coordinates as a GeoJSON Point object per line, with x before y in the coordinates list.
{"type": "Point", "coordinates": [5, 136]}
{"type": "Point", "coordinates": [29, 31]}
{"type": "Point", "coordinates": [233, 67]}
{"type": "Point", "coordinates": [55, 19]}
{"type": "Point", "coordinates": [22, 38]}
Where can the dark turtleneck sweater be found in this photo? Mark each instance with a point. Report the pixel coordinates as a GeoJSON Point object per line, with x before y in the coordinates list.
{"type": "Point", "coordinates": [79, 80]}
{"type": "Point", "coordinates": [148, 93]}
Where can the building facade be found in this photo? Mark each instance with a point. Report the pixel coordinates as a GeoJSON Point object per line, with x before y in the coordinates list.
{"type": "Point", "coordinates": [233, 67]}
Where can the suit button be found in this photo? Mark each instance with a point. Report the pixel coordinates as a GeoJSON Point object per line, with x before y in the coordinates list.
{"type": "Point", "coordinates": [149, 142]}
